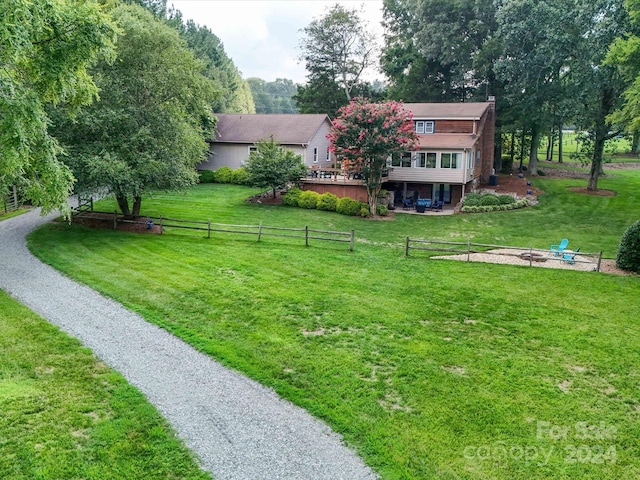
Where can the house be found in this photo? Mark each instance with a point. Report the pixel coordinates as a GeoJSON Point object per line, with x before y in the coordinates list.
{"type": "Point", "coordinates": [237, 134]}
{"type": "Point", "coordinates": [455, 154]}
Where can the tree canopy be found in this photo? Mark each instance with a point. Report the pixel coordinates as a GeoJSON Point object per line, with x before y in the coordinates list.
{"type": "Point", "coordinates": [46, 48]}
{"type": "Point", "coordinates": [271, 166]}
{"type": "Point", "coordinates": [365, 135]}
{"type": "Point", "coordinates": [148, 130]}
{"type": "Point", "coordinates": [273, 97]}
{"type": "Point", "coordinates": [337, 49]}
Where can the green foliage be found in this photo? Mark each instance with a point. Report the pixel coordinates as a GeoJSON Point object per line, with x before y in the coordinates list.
{"type": "Point", "coordinates": [240, 176]}
{"type": "Point", "coordinates": [46, 47]}
{"type": "Point", "coordinates": [308, 199]}
{"type": "Point", "coordinates": [273, 97]}
{"type": "Point", "coordinates": [328, 201]}
{"type": "Point", "coordinates": [628, 257]}
{"type": "Point", "coordinates": [292, 197]}
{"type": "Point", "coordinates": [364, 211]}
{"type": "Point", "coordinates": [348, 206]}
{"type": "Point", "coordinates": [223, 175]}
{"type": "Point", "coordinates": [148, 130]}
{"type": "Point", "coordinates": [491, 203]}
{"type": "Point", "coordinates": [274, 167]}
{"type": "Point", "coordinates": [507, 164]}
{"type": "Point", "coordinates": [206, 176]}
{"type": "Point", "coordinates": [336, 49]}
{"type": "Point", "coordinates": [382, 210]}
{"type": "Point", "coordinates": [506, 199]}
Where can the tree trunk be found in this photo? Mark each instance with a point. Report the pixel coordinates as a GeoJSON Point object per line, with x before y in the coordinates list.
{"type": "Point", "coordinates": [522, 139]}
{"type": "Point", "coordinates": [533, 151]}
{"type": "Point", "coordinates": [123, 203]}
{"type": "Point", "coordinates": [635, 142]}
{"type": "Point", "coordinates": [137, 201]}
{"type": "Point", "coordinates": [550, 144]}
{"type": "Point", "coordinates": [559, 143]}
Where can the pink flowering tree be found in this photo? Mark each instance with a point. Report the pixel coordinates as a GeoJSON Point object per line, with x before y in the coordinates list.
{"type": "Point", "coordinates": [365, 134]}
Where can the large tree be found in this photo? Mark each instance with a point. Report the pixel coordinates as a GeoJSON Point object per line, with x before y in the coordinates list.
{"type": "Point", "coordinates": [45, 49]}
{"type": "Point", "coordinates": [148, 130]}
{"type": "Point", "coordinates": [365, 135]}
{"type": "Point", "coordinates": [273, 97]}
{"type": "Point", "coordinates": [337, 49]}
{"type": "Point", "coordinates": [271, 166]}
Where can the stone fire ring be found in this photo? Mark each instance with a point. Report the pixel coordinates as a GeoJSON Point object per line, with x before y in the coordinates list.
{"type": "Point", "coordinates": [536, 257]}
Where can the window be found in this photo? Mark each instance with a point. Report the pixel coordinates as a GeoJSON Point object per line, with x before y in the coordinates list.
{"type": "Point", "coordinates": [421, 160]}
{"type": "Point", "coordinates": [406, 159]}
{"type": "Point", "coordinates": [449, 160]}
{"type": "Point", "coordinates": [252, 148]}
{"type": "Point", "coordinates": [477, 158]}
{"type": "Point", "coordinates": [328, 155]}
{"type": "Point", "coordinates": [424, 127]}
{"type": "Point", "coordinates": [395, 160]}
{"type": "Point", "coordinates": [431, 160]}
{"type": "Point", "coordinates": [315, 154]}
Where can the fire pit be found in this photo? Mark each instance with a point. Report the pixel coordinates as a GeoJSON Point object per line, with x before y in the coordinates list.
{"type": "Point", "coordinates": [533, 256]}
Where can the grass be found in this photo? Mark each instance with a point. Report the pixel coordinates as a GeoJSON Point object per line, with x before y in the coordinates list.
{"type": "Point", "coordinates": [13, 213]}
{"type": "Point", "coordinates": [616, 149]}
{"type": "Point", "coordinates": [66, 415]}
{"type": "Point", "coordinates": [428, 368]}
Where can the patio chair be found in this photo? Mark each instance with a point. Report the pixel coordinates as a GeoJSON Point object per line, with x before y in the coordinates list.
{"type": "Point", "coordinates": [569, 256]}
{"type": "Point", "coordinates": [437, 205]}
{"type": "Point", "coordinates": [407, 203]}
{"type": "Point", "coordinates": [558, 249]}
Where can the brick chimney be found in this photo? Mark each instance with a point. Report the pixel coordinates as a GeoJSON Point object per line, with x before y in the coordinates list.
{"type": "Point", "coordinates": [488, 141]}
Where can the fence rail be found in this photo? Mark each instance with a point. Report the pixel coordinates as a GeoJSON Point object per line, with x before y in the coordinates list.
{"type": "Point", "coordinates": [260, 230]}
{"type": "Point", "coordinates": [10, 202]}
{"type": "Point", "coordinates": [530, 254]}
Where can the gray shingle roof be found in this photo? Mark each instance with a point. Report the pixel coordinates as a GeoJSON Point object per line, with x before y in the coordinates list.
{"type": "Point", "coordinates": [288, 129]}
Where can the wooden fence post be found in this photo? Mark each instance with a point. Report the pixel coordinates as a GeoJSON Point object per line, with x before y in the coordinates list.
{"type": "Point", "coordinates": [115, 219]}
{"type": "Point", "coordinates": [468, 250]}
{"type": "Point", "coordinates": [406, 248]}
{"type": "Point", "coordinates": [530, 256]}
{"type": "Point", "coordinates": [209, 229]}
{"type": "Point", "coordinates": [160, 225]}
{"type": "Point", "coordinates": [259, 231]}
{"type": "Point", "coordinates": [306, 235]}
{"type": "Point", "coordinates": [353, 235]}
{"type": "Point", "coordinates": [91, 199]}
{"type": "Point", "coordinates": [599, 261]}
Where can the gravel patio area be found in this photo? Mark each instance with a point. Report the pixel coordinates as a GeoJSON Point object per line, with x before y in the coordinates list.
{"type": "Point", "coordinates": [238, 428]}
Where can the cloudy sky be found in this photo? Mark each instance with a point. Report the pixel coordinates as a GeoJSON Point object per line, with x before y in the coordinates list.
{"type": "Point", "coordinates": [262, 36]}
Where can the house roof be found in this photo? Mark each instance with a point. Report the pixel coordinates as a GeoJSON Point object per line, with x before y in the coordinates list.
{"type": "Point", "coordinates": [444, 111]}
{"type": "Point", "coordinates": [288, 129]}
{"type": "Point", "coordinates": [447, 140]}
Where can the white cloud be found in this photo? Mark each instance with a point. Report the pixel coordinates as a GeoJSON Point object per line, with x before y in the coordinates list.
{"type": "Point", "coordinates": [262, 37]}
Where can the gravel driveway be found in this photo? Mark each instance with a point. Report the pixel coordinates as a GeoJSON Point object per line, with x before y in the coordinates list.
{"type": "Point", "coordinates": [238, 428]}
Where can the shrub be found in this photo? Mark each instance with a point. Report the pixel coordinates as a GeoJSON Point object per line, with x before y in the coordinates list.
{"type": "Point", "coordinates": [472, 202]}
{"type": "Point", "coordinates": [222, 175]}
{"type": "Point", "coordinates": [382, 210]}
{"type": "Point", "coordinates": [240, 176]}
{"type": "Point", "coordinates": [308, 199]}
{"type": "Point", "coordinates": [506, 199]}
{"type": "Point", "coordinates": [206, 176]}
{"type": "Point", "coordinates": [507, 164]}
{"type": "Point", "coordinates": [291, 197]}
{"type": "Point", "coordinates": [628, 257]}
{"type": "Point", "coordinates": [365, 212]}
{"type": "Point", "coordinates": [348, 206]}
{"type": "Point", "coordinates": [541, 173]}
{"type": "Point", "coordinates": [327, 201]}
{"type": "Point", "coordinates": [489, 199]}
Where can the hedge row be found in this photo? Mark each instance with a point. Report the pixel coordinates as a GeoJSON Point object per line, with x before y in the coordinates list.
{"type": "Point", "coordinates": [523, 202]}
{"type": "Point", "coordinates": [329, 202]}
{"type": "Point", "coordinates": [239, 176]}
{"type": "Point", "coordinates": [476, 199]}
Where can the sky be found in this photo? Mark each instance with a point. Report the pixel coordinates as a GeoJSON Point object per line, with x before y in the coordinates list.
{"type": "Point", "coordinates": [262, 36]}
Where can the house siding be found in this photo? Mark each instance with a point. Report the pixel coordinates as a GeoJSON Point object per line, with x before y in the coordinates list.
{"type": "Point", "coordinates": [453, 126]}
{"type": "Point", "coordinates": [234, 155]}
{"type": "Point", "coordinates": [321, 142]}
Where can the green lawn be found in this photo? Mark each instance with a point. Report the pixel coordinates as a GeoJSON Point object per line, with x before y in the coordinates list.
{"type": "Point", "coordinates": [428, 368]}
{"type": "Point", "coordinates": [66, 415]}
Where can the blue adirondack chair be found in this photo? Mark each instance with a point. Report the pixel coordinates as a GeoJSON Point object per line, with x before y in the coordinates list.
{"type": "Point", "coordinates": [569, 257]}
{"type": "Point", "coordinates": [558, 249]}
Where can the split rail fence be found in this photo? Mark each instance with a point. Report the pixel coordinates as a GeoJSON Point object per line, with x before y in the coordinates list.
{"type": "Point", "coordinates": [260, 230]}
{"type": "Point", "coordinates": [529, 254]}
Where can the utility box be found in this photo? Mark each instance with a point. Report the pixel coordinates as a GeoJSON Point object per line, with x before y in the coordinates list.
{"type": "Point", "coordinates": [493, 180]}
